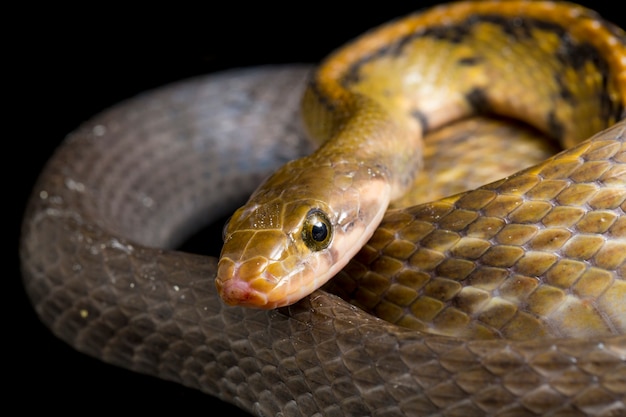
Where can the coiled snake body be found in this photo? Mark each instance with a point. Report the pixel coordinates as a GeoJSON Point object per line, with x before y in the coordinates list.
{"type": "Point", "coordinates": [101, 211]}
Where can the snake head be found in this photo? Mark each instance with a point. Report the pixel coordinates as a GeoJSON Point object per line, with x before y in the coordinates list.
{"type": "Point", "coordinates": [296, 232]}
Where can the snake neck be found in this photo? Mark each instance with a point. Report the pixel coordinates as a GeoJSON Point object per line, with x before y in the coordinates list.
{"type": "Point", "coordinates": [347, 184]}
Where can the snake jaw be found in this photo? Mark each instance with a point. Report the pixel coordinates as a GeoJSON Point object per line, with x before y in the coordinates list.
{"type": "Point", "coordinates": [253, 273]}
{"type": "Point", "coordinates": [265, 284]}
{"type": "Point", "coordinates": [239, 292]}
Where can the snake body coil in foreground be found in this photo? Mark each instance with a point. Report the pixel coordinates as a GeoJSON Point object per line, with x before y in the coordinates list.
{"type": "Point", "coordinates": [102, 210]}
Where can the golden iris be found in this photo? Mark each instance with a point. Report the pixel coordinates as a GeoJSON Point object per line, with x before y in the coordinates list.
{"type": "Point", "coordinates": [317, 231]}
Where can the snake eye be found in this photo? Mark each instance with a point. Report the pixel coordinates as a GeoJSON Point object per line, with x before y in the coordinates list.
{"type": "Point", "coordinates": [317, 231]}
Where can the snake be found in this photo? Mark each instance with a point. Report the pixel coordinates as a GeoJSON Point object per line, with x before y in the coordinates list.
{"type": "Point", "coordinates": [127, 187]}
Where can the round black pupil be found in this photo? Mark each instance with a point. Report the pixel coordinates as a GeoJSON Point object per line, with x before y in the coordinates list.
{"type": "Point", "coordinates": [319, 232]}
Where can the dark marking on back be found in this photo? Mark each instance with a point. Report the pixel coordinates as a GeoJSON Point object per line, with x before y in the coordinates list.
{"type": "Point", "coordinates": [609, 109]}
{"type": "Point", "coordinates": [470, 60]}
{"type": "Point", "coordinates": [479, 101]}
{"type": "Point", "coordinates": [565, 91]}
{"type": "Point", "coordinates": [314, 88]}
{"type": "Point", "coordinates": [571, 53]}
{"type": "Point", "coordinates": [575, 55]}
{"type": "Point", "coordinates": [555, 127]}
{"type": "Point", "coordinates": [421, 118]}
{"type": "Point", "coordinates": [451, 33]}
{"type": "Point", "coordinates": [578, 56]}
{"type": "Point", "coordinates": [517, 28]}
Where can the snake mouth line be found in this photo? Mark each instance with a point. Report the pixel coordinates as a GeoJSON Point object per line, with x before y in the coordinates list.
{"type": "Point", "coordinates": [238, 292]}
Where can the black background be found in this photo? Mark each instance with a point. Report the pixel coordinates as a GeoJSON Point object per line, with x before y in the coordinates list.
{"type": "Point", "coordinates": [66, 65]}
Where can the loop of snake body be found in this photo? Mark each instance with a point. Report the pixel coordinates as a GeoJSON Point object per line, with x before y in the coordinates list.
{"type": "Point", "coordinates": [507, 299]}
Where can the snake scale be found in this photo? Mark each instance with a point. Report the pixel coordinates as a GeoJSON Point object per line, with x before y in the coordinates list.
{"type": "Point", "coordinates": [320, 355]}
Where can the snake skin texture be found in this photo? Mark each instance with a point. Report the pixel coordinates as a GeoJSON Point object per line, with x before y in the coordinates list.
{"type": "Point", "coordinates": [158, 313]}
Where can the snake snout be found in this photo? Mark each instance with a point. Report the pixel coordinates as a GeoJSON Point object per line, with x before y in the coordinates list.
{"type": "Point", "coordinates": [237, 292]}
{"type": "Point", "coordinates": [244, 283]}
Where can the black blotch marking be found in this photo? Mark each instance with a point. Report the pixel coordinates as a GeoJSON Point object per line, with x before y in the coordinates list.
{"type": "Point", "coordinates": [470, 61]}
{"type": "Point", "coordinates": [352, 76]}
{"type": "Point", "coordinates": [570, 53]}
{"type": "Point", "coordinates": [578, 55]}
{"type": "Point", "coordinates": [575, 55]}
{"type": "Point", "coordinates": [609, 109]}
{"type": "Point", "coordinates": [479, 101]}
{"type": "Point", "coordinates": [555, 127]}
{"type": "Point", "coordinates": [421, 118]}
{"type": "Point", "coordinates": [314, 88]}
{"type": "Point", "coordinates": [516, 28]}
{"type": "Point", "coordinates": [452, 33]}
{"type": "Point", "coordinates": [564, 90]}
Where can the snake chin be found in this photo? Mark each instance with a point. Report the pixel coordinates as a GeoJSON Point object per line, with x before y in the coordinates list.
{"type": "Point", "coordinates": [237, 292]}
